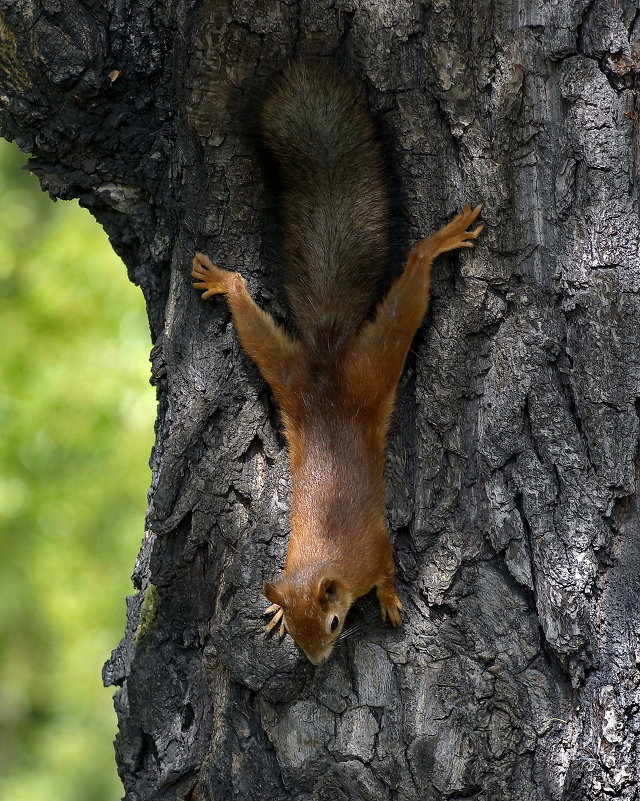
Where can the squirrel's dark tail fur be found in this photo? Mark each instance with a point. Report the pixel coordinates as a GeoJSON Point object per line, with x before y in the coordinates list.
{"type": "Point", "coordinates": [333, 203]}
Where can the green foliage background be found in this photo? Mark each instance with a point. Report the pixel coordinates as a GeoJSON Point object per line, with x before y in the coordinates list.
{"type": "Point", "coordinates": [76, 422]}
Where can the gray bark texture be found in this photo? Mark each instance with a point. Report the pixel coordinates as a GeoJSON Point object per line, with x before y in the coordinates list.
{"type": "Point", "coordinates": [513, 457]}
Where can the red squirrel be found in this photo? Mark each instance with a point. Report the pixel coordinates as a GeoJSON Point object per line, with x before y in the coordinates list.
{"type": "Point", "coordinates": [335, 380]}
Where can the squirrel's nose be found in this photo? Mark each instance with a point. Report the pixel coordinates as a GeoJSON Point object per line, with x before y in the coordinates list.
{"type": "Point", "coordinates": [318, 658]}
{"type": "Point", "coordinates": [315, 660]}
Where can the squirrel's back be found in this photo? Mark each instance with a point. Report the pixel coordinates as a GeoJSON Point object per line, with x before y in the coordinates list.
{"type": "Point", "coordinates": [333, 203]}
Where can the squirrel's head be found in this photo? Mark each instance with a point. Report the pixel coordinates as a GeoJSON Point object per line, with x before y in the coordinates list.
{"type": "Point", "coordinates": [314, 610]}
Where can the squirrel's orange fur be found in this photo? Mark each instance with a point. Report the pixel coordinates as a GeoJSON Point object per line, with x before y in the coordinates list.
{"type": "Point", "coordinates": [335, 385]}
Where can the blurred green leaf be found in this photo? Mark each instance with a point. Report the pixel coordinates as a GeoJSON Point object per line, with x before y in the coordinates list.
{"type": "Point", "coordinates": [76, 415]}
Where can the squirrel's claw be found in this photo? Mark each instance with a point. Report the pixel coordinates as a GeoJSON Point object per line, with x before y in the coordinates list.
{"type": "Point", "coordinates": [278, 618]}
{"type": "Point", "coordinates": [390, 609]}
{"type": "Point", "coordinates": [452, 236]}
{"type": "Point", "coordinates": [208, 276]}
{"type": "Point", "coordinates": [457, 233]}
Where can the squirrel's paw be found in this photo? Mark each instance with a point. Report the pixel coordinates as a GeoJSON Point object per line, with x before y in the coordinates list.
{"type": "Point", "coordinates": [209, 277]}
{"type": "Point", "coordinates": [278, 618]}
{"type": "Point", "coordinates": [390, 608]}
{"type": "Point", "coordinates": [455, 235]}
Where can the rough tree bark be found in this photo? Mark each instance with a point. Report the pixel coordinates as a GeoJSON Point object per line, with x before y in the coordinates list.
{"type": "Point", "coordinates": [513, 457]}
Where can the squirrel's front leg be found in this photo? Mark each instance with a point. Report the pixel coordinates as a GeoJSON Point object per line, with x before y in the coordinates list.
{"type": "Point", "coordinates": [390, 604]}
{"type": "Point", "coordinates": [275, 353]}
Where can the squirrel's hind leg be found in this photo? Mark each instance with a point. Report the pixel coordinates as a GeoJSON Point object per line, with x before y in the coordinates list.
{"type": "Point", "coordinates": [209, 277]}
{"type": "Point", "coordinates": [270, 347]}
{"type": "Point", "coordinates": [381, 347]}
{"type": "Point", "coordinates": [455, 234]}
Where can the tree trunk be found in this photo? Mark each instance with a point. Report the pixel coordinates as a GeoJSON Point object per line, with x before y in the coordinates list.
{"type": "Point", "coordinates": [512, 463]}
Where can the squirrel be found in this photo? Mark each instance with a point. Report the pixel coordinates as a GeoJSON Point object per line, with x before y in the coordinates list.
{"type": "Point", "coordinates": [335, 380]}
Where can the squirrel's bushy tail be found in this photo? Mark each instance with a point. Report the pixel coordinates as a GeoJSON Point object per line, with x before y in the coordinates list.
{"type": "Point", "coordinates": [333, 201]}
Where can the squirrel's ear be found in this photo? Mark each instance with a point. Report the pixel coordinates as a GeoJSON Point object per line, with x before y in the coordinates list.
{"type": "Point", "coordinates": [274, 592]}
{"type": "Point", "coordinates": [327, 589]}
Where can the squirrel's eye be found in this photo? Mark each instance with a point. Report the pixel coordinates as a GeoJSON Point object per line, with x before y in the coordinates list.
{"type": "Point", "coordinates": [335, 622]}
